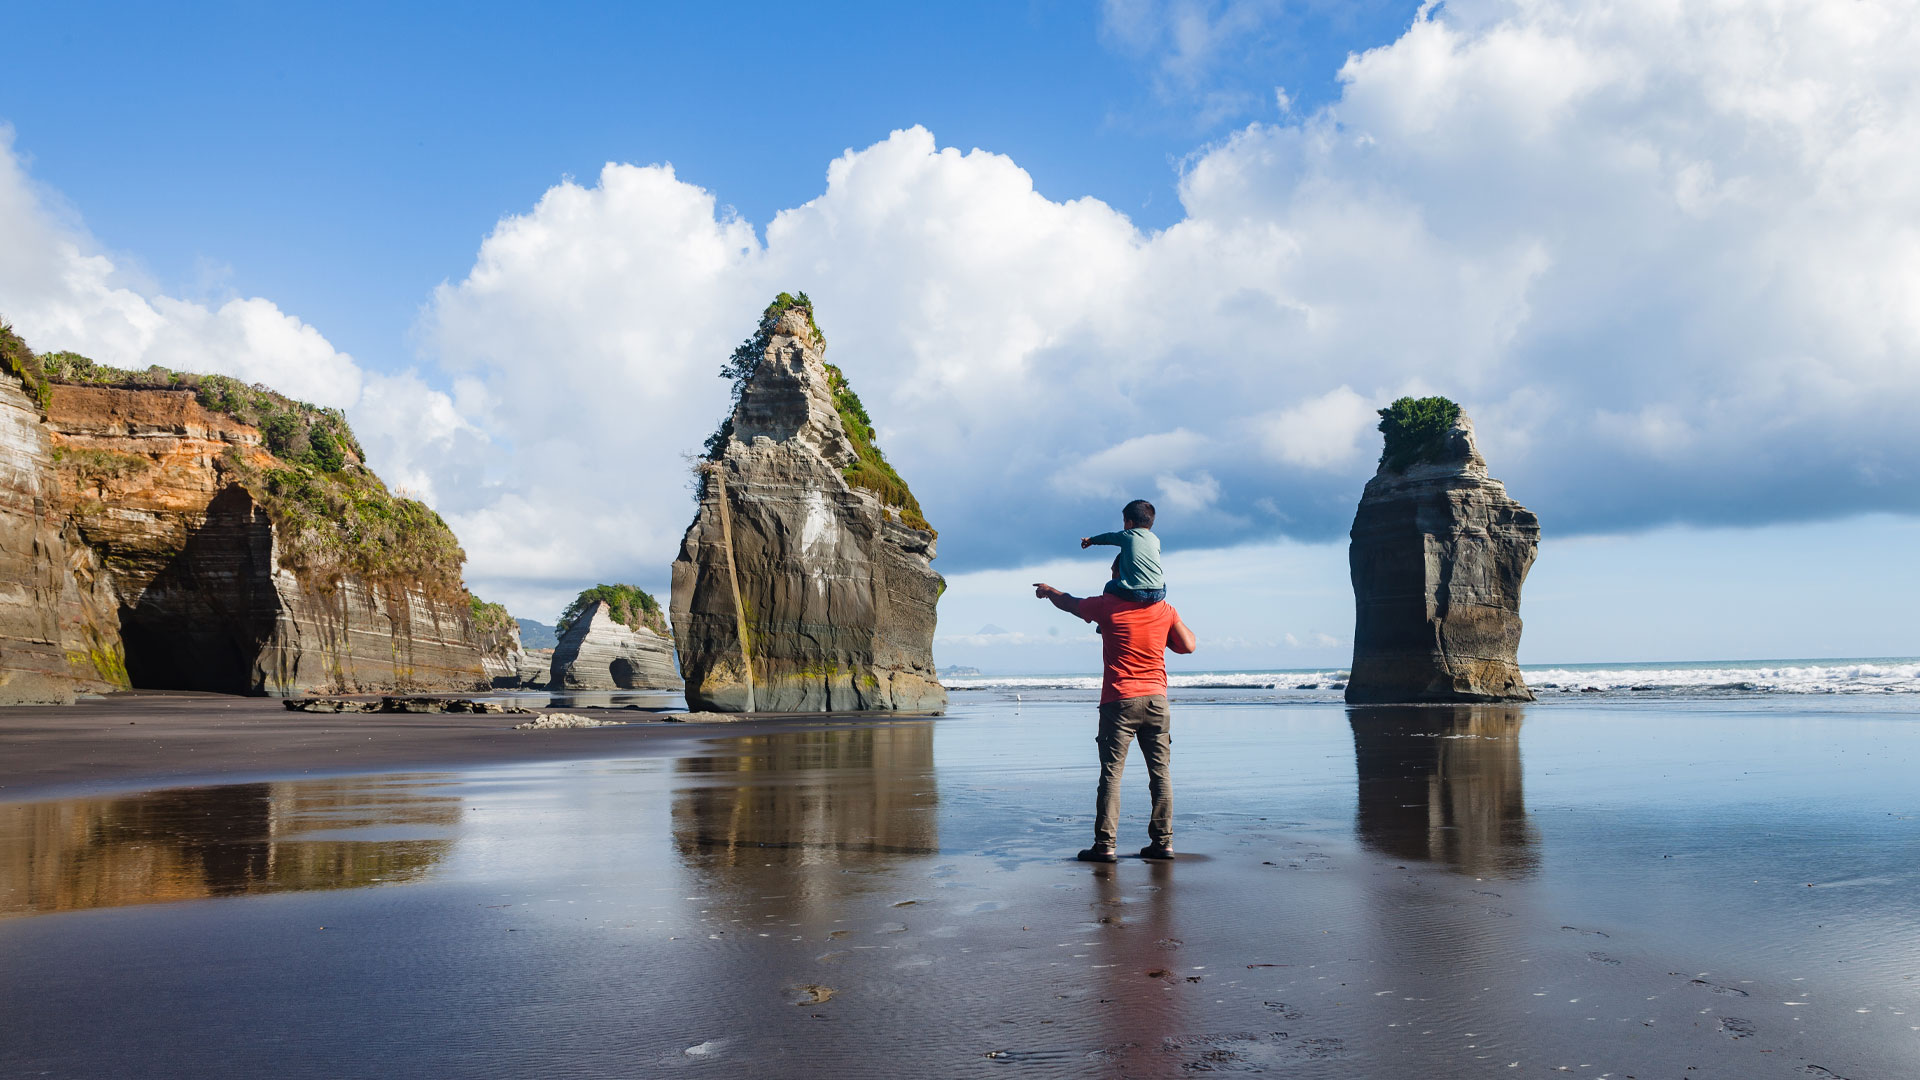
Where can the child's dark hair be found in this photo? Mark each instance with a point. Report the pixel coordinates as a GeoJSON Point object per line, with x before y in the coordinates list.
{"type": "Point", "coordinates": [1138, 512]}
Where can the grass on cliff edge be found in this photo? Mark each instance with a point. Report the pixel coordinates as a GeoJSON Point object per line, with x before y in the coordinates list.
{"type": "Point", "coordinates": [870, 470]}
{"type": "Point", "coordinates": [628, 604]}
{"type": "Point", "coordinates": [1416, 431]}
{"type": "Point", "coordinates": [346, 523]}
{"type": "Point", "coordinates": [20, 362]}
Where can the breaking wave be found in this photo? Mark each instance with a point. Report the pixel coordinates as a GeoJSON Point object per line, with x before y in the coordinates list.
{"type": "Point", "coordinates": [1880, 676]}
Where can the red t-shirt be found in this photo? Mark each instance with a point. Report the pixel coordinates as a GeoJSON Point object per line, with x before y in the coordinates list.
{"type": "Point", "coordinates": [1133, 644]}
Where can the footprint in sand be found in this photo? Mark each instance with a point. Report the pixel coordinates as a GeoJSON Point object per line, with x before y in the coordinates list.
{"type": "Point", "coordinates": [1717, 988]}
{"type": "Point", "coordinates": [1603, 958]}
{"type": "Point", "coordinates": [1736, 1028]}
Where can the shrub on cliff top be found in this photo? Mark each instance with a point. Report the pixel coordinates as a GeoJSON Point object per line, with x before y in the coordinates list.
{"type": "Point", "coordinates": [745, 360]}
{"type": "Point", "coordinates": [489, 618]}
{"type": "Point", "coordinates": [20, 362]}
{"type": "Point", "coordinates": [294, 431]}
{"type": "Point", "coordinates": [1416, 431]}
{"type": "Point", "coordinates": [629, 605]}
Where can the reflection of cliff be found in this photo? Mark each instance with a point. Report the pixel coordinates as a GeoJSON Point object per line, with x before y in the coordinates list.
{"type": "Point", "coordinates": [1443, 785]}
{"type": "Point", "coordinates": [219, 841]}
{"type": "Point", "coordinates": [809, 797]}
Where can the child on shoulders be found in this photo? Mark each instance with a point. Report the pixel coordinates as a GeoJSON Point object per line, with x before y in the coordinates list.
{"type": "Point", "coordinates": [1137, 575]}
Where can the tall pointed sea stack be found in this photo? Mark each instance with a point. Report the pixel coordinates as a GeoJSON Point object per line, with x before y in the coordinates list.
{"type": "Point", "coordinates": [1438, 557]}
{"type": "Point", "coordinates": [803, 584]}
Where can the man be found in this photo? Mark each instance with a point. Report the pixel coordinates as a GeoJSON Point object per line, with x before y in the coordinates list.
{"type": "Point", "coordinates": [1133, 703]}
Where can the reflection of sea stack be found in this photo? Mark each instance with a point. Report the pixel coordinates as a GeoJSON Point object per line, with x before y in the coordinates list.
{"type": "Point", "coordinates": [1443, 785]}
{"type": "Point", "coordinates": [1438, 557]}
{"type": "Point", "coordinates": [804, 522]}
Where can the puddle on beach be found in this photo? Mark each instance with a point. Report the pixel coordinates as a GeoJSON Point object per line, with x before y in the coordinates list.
{"type": "Point", "coordinates": [1617, 890]}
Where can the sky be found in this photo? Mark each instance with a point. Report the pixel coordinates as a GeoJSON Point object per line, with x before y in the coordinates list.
{"type": "Point", "coordinates": [1666, 255]}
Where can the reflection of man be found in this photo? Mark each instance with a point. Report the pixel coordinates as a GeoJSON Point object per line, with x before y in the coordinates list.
{"type": "Point", "coordinates": [1133, 703]}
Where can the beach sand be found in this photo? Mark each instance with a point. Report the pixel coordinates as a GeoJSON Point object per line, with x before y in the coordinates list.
{"type": "Point", "coordinates": [1689, 889]}
{"type": "Point", "coordinates": [156, 738]}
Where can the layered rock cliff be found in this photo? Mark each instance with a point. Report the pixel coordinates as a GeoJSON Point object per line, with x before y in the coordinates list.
{"type": "Point", "coordinates": [152, 541]}
{"type": "Point", "coordinates": [55, 629]}
{"type": "Point", "coordinates": [598, 652]}
{"type": "Point", "coordinates": [827, 549]}
{"type": "Point", "coordinates": [1439, 553]}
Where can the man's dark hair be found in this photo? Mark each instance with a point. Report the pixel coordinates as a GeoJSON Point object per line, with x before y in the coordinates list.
{"type": "Point", "coordinates": [1138, 512]}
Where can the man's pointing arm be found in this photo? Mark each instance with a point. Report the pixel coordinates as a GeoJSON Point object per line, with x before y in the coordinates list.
{"type": "Point", "coordinates": [1066, 602]}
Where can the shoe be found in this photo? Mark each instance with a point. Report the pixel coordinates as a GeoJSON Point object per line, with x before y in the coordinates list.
{"type": "Point", "coordinates": [1098, 854]}
{"type": "Point", "coordinates": [1156, 851]}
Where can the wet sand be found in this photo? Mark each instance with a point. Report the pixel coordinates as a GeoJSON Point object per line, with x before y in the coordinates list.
{"type": "Point", "coordinates": [1711, 891]}
{"type": "Point", "coordinates": [154, 738]}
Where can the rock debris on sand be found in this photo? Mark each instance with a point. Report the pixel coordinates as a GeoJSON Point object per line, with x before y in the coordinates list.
{"type": "Point", "coordinates": [562, 720]}
{"type": "Point", "coordinates": [420, 705]}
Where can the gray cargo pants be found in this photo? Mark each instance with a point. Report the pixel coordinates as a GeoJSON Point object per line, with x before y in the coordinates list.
{"type": "Point", "coordinates": [1120, 721]}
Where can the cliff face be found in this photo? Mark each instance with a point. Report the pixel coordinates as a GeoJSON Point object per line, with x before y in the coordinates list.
{"type": "Point", "coordinates": [836, 588]}
{"type": "Point", "coordinates": [133, 519]}
{"type": "Point", "coordinates": [1438, 556]}
{"type": "Point", "coordinates": [599, 653]}
{"type": "Point", "coordinates": [55, 639]}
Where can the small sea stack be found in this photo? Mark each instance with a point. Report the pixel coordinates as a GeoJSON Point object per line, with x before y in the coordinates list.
{"type": "Point", "coordinates": [1438, 556]}
{"type": "Point", "coordinates": [613, 637]}
{"type": "Point", "coordinates": [804, 583]}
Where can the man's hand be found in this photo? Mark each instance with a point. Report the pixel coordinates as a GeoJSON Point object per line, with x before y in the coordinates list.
{"type": "Point", "coordinates": [1066, 602]}
{"type": "Point", "coordinates": [1086, 542]}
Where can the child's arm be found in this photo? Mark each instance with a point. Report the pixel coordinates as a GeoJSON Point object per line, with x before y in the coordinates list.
{"type": "Point", "coordinates": [1118, 539]}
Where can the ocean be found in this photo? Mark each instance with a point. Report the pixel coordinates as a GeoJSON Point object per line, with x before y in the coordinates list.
{"type": "Point", "coordinates": [1664, 679]}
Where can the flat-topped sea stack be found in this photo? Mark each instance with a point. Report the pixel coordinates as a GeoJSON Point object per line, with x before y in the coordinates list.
{"type": "Point", "coordinates": [609, 643]}
{"type": "Point", "coordinates": [184, 532]}
{"type": "Point", "coordinates": [804, 521]}
{"type": "Point", "coordinates": [1438, 556]}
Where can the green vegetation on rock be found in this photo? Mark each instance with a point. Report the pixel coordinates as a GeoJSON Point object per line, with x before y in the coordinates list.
{"type": "Point", "coordinates": [489, 618]}
{"type": "Point", "coordinates": [20, 362]}
{"type": "Point", "coordinates": [346, 522]}
{"type": "Point", "coordinates": [871, 470]}
{"type": "Point", "coordinates": [89, 464]}
{"type": "Point", "coordinates": [1416, 431]}
{"type": "Point", "coordinates": [294, 431]}
{"type": "Point", "coordinates": [629, 605]}
{"type": "Point", "coordinates": [745, 360]}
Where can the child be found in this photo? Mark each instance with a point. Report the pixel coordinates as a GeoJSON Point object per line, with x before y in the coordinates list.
{"type": "Point", "coordinates": [1136, 573]}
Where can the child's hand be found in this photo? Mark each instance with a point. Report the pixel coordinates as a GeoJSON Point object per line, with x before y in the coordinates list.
{"type": "Point", "coordinates": [1085, 542]}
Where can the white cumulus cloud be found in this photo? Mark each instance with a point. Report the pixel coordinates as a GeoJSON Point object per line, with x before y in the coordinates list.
{"type": "Point", "coordinates": [1667, 256]}
{"type": "Point", "coordinates": [62, 292]}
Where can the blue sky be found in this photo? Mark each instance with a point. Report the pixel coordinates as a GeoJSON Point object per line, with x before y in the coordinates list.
{"type": "Point", "coordinates": [1664, 255]}
{"type": "Point", "coordinates": [345, 159]}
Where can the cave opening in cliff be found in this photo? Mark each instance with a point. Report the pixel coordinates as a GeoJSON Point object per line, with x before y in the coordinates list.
{"type": "Point", "coordinates": [203, 621]}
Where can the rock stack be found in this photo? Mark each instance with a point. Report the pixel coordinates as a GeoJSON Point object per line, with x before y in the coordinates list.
{"type": "Point", "coordinates": [598, 653]}
{"type": "Point", "coordinates": [1438, 556]}
{"type": "Point", "coordinates": [803, 521]}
